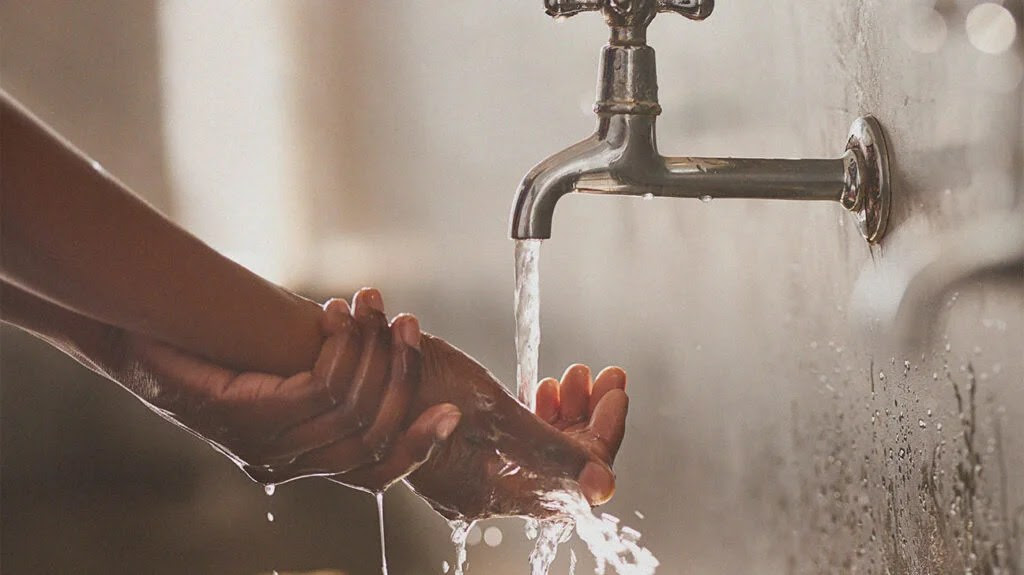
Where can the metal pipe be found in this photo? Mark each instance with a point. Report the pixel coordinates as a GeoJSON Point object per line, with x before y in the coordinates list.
{"type": "Point", "coordinates": [622, 156]}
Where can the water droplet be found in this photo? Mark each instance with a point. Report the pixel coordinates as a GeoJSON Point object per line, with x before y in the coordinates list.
{"type": "Point", "coordinates": [493, 536]}
{"type": "Point", "coordinates": [648, 196]}
{"type": "Point", "coordinates": [948, 346]}
{"type": "Point", "coordinates": [445, 567]}
{"type": "Point", "coordinates": [935, 375]}
{"type": "Point", "coordinates": [938, 426]}
{"type": "Point", "coordinates": [638, 514]}
{"type": "Point", "coordinates": [706, 199]}
{"type": "Point", "coordinates": [629, 534]}
{"type": "Point", "coordinates": [269, 488]}
{"type": "Point", "coordinates": [270, 517]}
{"type": "Point", "coordinates": [921, 423]}
{"type": "Point", "coordinates": [929, 412]}
{"type": "Point", "coordinates": [881, 375]}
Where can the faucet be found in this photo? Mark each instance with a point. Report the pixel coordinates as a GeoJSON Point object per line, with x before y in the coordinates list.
{"type": "Point", "coordinates": [622, 156]}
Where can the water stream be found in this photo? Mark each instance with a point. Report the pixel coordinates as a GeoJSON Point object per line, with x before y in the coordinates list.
{"type": "Point", "coordinates": [619, 549]}
{"type": "Point", "coordinates": [460, 531]}
{"type": "Point", "coordinates": [380, 523]}
{"type": "Point", "coordinates": [527, 310]}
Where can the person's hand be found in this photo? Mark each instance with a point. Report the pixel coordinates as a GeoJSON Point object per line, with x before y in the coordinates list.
{"type": "Point", "coordinates": [593, 414]}
{"type": "Point", "coordinates": [347, 418]}
{"type": "Point", "coordinates": [502, 457]}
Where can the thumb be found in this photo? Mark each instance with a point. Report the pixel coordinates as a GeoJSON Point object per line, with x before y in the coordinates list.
{"type": "Point", "coordinates": [597, 482]}
{"type": "Point", "coordinates": [409, 451]}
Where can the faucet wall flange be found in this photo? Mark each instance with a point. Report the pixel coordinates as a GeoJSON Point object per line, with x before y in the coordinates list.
{"type": "Point", "coordinates": [873, 194]}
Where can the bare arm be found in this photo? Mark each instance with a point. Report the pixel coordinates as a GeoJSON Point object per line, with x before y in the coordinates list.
{"type": "Point", "coordinates": [76, 236]}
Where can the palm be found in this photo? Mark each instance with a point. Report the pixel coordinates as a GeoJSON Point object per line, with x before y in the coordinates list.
{"type": "Point", "coordinates": [502, 455]}
{"type": "Point", "coordinates": [590, 412]}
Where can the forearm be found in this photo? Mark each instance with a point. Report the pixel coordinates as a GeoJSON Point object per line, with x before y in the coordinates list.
{"type": "Point", "coordinates": [75, 235]}
{"type": "Point", "coordinates": [91, 342]}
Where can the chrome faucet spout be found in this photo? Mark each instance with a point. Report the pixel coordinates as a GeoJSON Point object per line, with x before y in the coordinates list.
{"type": "Point", "coordinates": [622, 156]}
{"type": "Point", "coordinates": [534, 206]}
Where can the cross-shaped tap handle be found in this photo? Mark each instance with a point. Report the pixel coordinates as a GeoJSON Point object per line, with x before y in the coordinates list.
{"type": "Point", "coordinates": [630, 12]}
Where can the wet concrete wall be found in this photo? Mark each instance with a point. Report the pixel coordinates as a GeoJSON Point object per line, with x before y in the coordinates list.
{"type": "Point", "coordinates": [774, 428]}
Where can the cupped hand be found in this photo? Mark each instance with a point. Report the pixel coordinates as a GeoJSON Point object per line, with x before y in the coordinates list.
{"type": "Point", "coordinates": [347, 418]}
{"type": "Point", "coordinates": [502, 457]}
{"type": "Point", "coordinates": [592, 412]}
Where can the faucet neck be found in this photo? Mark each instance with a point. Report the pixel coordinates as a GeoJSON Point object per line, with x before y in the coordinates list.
{"type": "Point", "coordinates": [628, 77]}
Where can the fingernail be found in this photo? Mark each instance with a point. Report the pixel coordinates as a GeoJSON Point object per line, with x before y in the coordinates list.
{"type": "Point", "coordinates": [616, 374]}
{"type": "Point", "coordinates": [576, 370]}
{"type": "Point", "coordinates": [336, 311]}
{"type": "Point", "coordinates": [597, 483]}
{"type": "Point", "coordinates": [447, 424]}
{"type": "Point", "coordinates": [374, 298]}
{"type": "Point", "coordinates": [409, 330]}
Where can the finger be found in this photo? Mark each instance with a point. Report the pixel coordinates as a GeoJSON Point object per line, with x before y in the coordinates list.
{"type": "Point", "coordinates": [337, 457]}
{"type": "Point", "coordinates": [179, 370]}
{"type": "Point", "coordinates": [370, 378]}
{"type": "Point", "coordinates": [433, 426]}
{"type": "Point", "coordinates": [312, 434]}
{"type": "Point", "coordinates": [574, 393]}
{"type": "Point", "coordinates": [367, 298]}
{"type": "Point", "coordinates": [608, 422]}
{"type": "Point", "coordinates": [403, 380]}
{"type": "Point", "coordinates": [610, 378]}
{"type": "Point", "coordinates": [335, 311]}
{"type": "Point", "coordinates": [360, 376]}
{"type": "Point", "coordinates": [547, 400]}
{"type": "Point", "coordinates": [339, 356]}
{"type": "Point", "coordinates": [257, 405]}
{"type": "Point", "coordinates": [597, 482]}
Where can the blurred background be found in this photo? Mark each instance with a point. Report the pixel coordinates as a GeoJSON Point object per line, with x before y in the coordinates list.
{"type": "Point", "coordinates": [331, 145]}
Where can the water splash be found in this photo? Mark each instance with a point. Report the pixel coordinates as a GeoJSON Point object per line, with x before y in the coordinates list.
{"type": "Point", "coordinates": [460, 531]}
{"type": "Point", "coordinates": [611, 546]}
{"type": "Point", "coordinates": [548, 534]}
{"type": "Point", "coordinates": [527, 310]}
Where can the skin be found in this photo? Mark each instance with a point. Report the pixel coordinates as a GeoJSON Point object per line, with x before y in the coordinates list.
{"type": "Point", "coordinates": [284, 387]}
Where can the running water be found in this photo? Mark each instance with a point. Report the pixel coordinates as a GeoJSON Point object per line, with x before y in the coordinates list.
{"type": "Point", "coordinates": [460, 531]}
{"type": "Point", "coordinates": [549, 534]}
{"type": "Point", "coordinates": [612, 546]}
{"type": "Point", "coordinates": [527, 310]}
{"type": "Point", "coordinates": [619, 549]}
{"type": "Point", "coordinates": [380, 523]}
